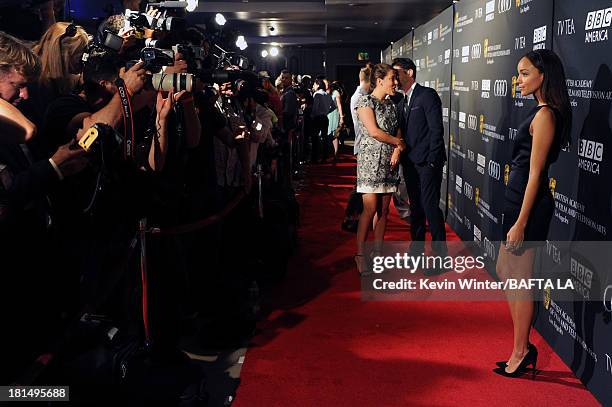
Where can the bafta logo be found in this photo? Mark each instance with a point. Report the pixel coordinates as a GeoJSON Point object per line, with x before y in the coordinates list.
{"type": "Point", "coordinates": [552, 185]}
{"type": "Point", "coordinates": [486, 47]}
{"type": "Point", "coordinates": [481, 123]}
{"type": "Point", "coordinates": [452, 141]}
{"type": "Point", "coordinates": [514, 79]}
{"type": "Point", "coordinates": [506, 173]}
{"type": "Point", "coordinates": [518, 3]}
{"type": "Point", "coordinates": [450, 201]}
{"type": "Point", "coordinates": [477, 195]}
{"type": "Point", "coordinates": [437, 84]}
{"type": "Point", "coordinates": [454, 78]}
{"type": "Point", "coordinates": [546, 298]}
{"type": "Point", "coordinates": [456, 18]}
{"type": "Point", "coordinates": [440, 31]}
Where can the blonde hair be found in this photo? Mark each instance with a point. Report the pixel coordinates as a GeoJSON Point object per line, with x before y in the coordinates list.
{"type": "Point", "coordinates": [15, 55]}
{"type": "Point", "coordinates": [56, 58]}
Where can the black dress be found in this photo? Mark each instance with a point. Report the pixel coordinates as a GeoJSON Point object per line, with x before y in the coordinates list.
{"type": "Point", "coordinates": [541, 214]}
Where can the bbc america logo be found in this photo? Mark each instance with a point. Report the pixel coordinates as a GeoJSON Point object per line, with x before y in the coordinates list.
{"type": "Point", "coordinates": [500, 88]}
{"type": "Point", "coordinates": [598, 19]}
{"type": "Point", "coordinates": [539, 38]}
{"type": "Point", "coordinates": [458, 183]}
{"type": "Point", "coordinates": [494, 170]}
{"type": "Point", "coordinates": [472, 122]}
{"type": "Point", "coordinates": [486, 88]}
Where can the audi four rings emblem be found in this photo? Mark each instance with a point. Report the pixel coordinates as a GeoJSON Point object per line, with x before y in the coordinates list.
{"type": "Point", "coordinates": [489, 248]}
{"type": "Point", "coordinates": [500, 88]}
{"type": "Point", "coordinates": [504, 5]}
{"type": "Point", "coordinates": [472, 122]}
{"type": "Point", "coordinates": [468, 190]}
{"type": "Point", "coordinates": [494, 170]}
{"type": "Point", "coordinates": [476, 51]}
{"type": "Point", "coordinates": [607, 299]}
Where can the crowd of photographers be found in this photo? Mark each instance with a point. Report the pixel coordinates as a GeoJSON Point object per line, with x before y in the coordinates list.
{"type": "Point", "coordinates": [146, 119]}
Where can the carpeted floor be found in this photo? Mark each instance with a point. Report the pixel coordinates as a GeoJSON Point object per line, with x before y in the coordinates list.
{"type": "Point", "coordinates": [320, 345]}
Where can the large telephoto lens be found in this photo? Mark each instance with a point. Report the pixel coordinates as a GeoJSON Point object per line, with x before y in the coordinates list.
{"type": "Point", "coordinates": [178, 81]}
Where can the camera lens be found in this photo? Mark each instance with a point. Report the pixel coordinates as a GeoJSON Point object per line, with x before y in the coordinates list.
{"type": "Point", "coordinates": [178, 81]}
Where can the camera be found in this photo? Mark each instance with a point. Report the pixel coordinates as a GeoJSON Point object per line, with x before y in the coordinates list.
{"type": "Point", "coordinates": [140, 21]}
{"type": "Point", "coordinates": [192, 54]}
{"type": "Point", "coordinates": [101, 140]}
{"type": "Point", "coordinates": [154, 59]}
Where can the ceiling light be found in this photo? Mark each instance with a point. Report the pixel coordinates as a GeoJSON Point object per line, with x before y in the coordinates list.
{"type": "Point", "coordinates": [191, 5]}
{"type": "Point", "coordinates": [274, 51]}
{"type": "Point", "coordinates": [348, 27]}
{"type": "Point", "coordinates": [264, 53]}
{"type": "Point", "coordinates": [220, 19]}
{"type": "Point", "coordinates": [241, 43]}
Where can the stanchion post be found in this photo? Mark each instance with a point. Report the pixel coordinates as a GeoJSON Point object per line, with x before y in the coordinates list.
{"type": "Point", "coordinates": [142, 237]}
{"type": "Point", "coordinates": [259, 175]}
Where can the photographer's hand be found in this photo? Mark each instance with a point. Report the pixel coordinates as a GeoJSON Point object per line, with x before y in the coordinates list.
{"type": "Point", "coordinates": [180, 65]}
{"type": "Point", "coordinates": [135, 78]}
{"type": "Point", "coordinates": [164, 106]}
{"type": "Point", "coordinates": [70, 160]}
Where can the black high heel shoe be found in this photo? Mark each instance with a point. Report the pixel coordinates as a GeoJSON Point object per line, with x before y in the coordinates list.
{"type": "Point", "coordinates": [504, 363]}
{"type": "Point", "coordinates": [530, 359]}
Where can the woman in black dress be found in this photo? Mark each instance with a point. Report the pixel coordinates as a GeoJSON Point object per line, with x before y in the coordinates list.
{"type": "Point", "coordinates": [529, 205]}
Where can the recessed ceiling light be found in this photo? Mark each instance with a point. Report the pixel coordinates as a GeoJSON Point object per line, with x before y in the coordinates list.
{"type": "Point", "coordinates": [375, 22]}
{"type": "Point", "coordinates": [348, 27]}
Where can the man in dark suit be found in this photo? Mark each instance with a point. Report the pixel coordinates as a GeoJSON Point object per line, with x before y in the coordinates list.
{"type": "Point", "coordinates": [420, 114]}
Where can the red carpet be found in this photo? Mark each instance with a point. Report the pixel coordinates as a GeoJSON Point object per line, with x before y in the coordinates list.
{"type": "Point", "coordinates": [320, 345]}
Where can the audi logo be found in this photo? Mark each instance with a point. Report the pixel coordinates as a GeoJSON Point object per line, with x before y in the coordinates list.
{"type": "Point", "coordinates": [607, 298]}
{"type": "Point", "coordinates": [468, 190]}
{"type": "Point", "coordinates": [472, 122]}
{"type": "Point", "coordinates": [476, 51]}
{"type": "Point", "coordinates": [489, 248]}
{"type": "Point", "coordinates": [500, 88]}
{"type": "Point", "coordinates": [504, 5]}
{"type": "Point", "coordinates": [494, 170]}
{"type": "Point", "coordinates": [468, 223]}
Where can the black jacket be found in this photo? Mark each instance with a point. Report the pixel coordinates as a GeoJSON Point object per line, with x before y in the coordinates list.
{"type": "Point", "coordinates": [421, 124]}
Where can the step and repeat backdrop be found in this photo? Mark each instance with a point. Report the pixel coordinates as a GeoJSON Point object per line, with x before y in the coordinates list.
{"type": "Point", "coordinates": [432, 54]}
{"type": "Point", "coordinates": [469, 54]}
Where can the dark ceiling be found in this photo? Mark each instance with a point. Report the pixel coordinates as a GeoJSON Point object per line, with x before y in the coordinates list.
{"type": "Point", "coordinates": [321, 22]}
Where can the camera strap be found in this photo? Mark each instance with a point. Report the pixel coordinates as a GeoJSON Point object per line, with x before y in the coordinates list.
{"type": "Point", "coordinates": [128, 119]}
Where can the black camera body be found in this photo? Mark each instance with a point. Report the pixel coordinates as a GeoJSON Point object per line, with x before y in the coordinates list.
{"type": "Point", "coordinates": [154, 59]}
{"type": "Point", "coordinates": [101, 140]}
{"type": "Point", "coordinates": [194, 56]}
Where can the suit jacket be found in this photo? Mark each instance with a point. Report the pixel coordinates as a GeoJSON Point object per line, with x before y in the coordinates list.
{"type": "Point", "coordinates": [421, 124]}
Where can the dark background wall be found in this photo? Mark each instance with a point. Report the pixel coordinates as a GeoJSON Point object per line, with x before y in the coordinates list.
{"type": "Point", "coordinates": [486, 109]}
{"type": "Point", "coordinates": [338, 63]}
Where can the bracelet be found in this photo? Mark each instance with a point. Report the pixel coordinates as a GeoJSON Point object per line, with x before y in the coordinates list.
{"type": "Point", "coordinates": [57, 170]}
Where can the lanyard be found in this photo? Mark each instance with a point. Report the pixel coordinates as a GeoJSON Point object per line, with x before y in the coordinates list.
{"type": "Point", "coordinates": [128, 119]}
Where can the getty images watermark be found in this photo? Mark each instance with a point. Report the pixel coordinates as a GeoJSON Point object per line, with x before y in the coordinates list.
{"type": "Point", "coordinates": [569, 271]}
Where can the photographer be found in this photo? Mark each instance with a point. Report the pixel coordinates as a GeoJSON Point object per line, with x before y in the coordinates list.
{"type": "Point", "coordinates": [25, 218]}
